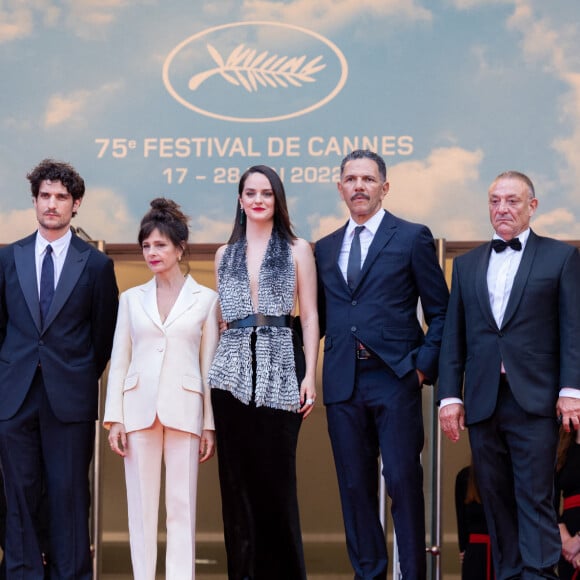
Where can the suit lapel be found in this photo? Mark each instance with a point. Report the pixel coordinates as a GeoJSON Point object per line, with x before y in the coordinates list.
{"type": "Point", "coordinates": [521, 277]}
{"type": "Point", "coordinates": [383, 235]}
{"type": "Point", "coordinates": [149, 302]}
{"type": "Point", "coordinates": [481, 287]}
{"type": "Point", "coordinates": [186, 299]}
{"type": "Point", "coordinates": [335, 246]}
{"type": "Point", "coordinates": [74, 264]}
{"type": "Point", "coordinates": [25, 262]}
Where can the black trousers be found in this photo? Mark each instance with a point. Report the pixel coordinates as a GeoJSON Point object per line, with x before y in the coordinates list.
{"type": "Point", "coordinates": [514, 453]}
{"type": "Point", "coordinates": [45, 464]}
{"type": "Point", "coordinates": [257, 470]}
{"type": "Point", "coordinates": [383, 415]}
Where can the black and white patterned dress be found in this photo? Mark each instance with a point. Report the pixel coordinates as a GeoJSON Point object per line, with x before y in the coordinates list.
{"type": "Point", "coordinates": [276, 384]}
{"type": "Point", "coordinates": [255, 398]}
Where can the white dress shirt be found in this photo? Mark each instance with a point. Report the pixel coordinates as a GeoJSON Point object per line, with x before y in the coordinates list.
{"type": "Point", "coordinates": [501, 272]}
{"type": "Point", "coordinates": [366, 237]}
{"type": "Point", "coordinates": [59, 251]}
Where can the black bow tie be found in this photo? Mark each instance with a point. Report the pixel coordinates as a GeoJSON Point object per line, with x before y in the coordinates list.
{"type": "Point", "coordinates": [499, 245]}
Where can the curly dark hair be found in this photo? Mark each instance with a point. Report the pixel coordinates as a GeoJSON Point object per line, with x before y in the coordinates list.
{"type": "Point", "coordinates": [51, 170]}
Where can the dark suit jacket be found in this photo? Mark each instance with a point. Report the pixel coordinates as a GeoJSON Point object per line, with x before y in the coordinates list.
{"type": "Point", "coordinates": [381, 312]}
{"type": "Point", "coordinates": [539, 341]}
{"type": "Point", "coordinates": [75, 344]}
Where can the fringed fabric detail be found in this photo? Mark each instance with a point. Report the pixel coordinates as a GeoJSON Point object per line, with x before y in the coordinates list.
{"type": "Point", "coordinates": [276, 383]}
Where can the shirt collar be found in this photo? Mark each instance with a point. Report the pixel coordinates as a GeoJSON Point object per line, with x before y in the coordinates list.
{"type": "Point", "coordinates": [523, 237]}
{"type": "Point", "coordinates": [372, 224]}
{"type": "Point", "coordinates": [58, 246]}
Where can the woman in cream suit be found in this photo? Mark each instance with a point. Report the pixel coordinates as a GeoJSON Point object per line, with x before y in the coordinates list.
{"type": "Point", "coordinates": [158, 403]}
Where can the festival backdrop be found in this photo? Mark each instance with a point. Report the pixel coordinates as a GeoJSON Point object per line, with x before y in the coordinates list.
{"type": "Point", "coordinates": [176, 98]}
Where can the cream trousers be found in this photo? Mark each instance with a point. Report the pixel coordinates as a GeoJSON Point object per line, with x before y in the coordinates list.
{"type": "Point", "coordinates": [145, 450]}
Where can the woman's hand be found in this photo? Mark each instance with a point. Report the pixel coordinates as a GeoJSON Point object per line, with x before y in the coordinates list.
{"type": "Point", "coordinates": [118, 439]}
{"type": "Point", "coordinates": [206, 445]}
{"type": "Point", "coordinates": [307, 396]}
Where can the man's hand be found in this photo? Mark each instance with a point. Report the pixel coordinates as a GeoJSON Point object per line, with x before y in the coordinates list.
{"type": "Point", "coordinates": [452, 420]}
{"type": "Point", "coordinates": [568, 409]}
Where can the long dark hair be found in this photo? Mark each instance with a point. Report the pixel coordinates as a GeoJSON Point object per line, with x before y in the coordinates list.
{"type": "Point", "coordinates": [472, 491]}
{"type": "Point", "coordinates": [564, 443]}
{"type": "Point", "coordinates": [282, 223]}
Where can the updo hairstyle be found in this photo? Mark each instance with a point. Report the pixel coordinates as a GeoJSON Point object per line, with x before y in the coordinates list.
{"type": "Point", "coordinates": [166, 217]}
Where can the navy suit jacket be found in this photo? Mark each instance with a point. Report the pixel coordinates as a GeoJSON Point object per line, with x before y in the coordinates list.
{"type": "Point", "coordinates": [538, 342]}
{"type": "Point", "coordinates": [75, 344]}
{"type": "Point", "coordinates": [381, 312]}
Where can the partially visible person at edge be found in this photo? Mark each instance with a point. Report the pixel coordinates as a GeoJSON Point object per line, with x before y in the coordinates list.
{"type": "Point", "coordinates": [474, 540]}
{"type": "Point", "coordinates": [58, 306]}
{"type": "Point", "coordinates": [568, 493]}
{"type": "Point", "coordinates": [372, 273]}
{"type": "Point", "coordinates": [41, 525]}
{"type": "Point", "coordinates": [510, 365]}
{"type": "Point", "coordinates": [158, 405]}
{"type": "Point", "coordinates": [263, 382]}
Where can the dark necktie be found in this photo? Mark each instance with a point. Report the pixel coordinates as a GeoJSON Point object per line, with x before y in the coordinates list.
{"type": "Point", "coordinates": [46, 283]}
{"type": "Point", "coordinates": [499, 245]}
{"type": "Point", "coordinates": [354, 259]}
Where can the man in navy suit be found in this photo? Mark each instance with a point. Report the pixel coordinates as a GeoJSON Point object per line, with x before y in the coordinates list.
{"type": "Point", "coordinates": [376, 359]}
{"type": "Point", "coordinates": [58, 307]}
{"type": "Point", "coordinates": [511, 355]}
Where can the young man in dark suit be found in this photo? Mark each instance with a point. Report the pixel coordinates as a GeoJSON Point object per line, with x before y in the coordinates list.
{"type": "Point", "coordinates": [58, 307]}
{"type": "Point", "coordinates": [371, 274]}
{"type": "Point", "coordinates": [510, 366]}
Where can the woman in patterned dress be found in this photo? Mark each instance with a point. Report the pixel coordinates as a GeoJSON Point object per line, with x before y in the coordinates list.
{"type": "Point", "coordinates": [472, 532]}
{"type": "Point", "coordinates": [263, 380]}
{"type": "Point", "coordinates": [568, 490]}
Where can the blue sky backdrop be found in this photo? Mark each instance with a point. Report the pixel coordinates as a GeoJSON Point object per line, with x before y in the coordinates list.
{"type": "Point", "coordinates": [455, 91]}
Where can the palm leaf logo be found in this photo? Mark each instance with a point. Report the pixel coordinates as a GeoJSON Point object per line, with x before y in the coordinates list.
{"type": "Point", "coordinates": [245, 67]}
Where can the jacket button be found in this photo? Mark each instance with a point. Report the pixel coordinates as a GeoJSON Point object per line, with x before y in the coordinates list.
{"type": "Point", "coordinates": [353, 328]}
{"type": "Point", "coordinates": [354, 302]}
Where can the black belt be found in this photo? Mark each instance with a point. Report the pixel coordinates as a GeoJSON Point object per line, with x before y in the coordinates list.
{"type": "Point", "coordinates": [362, 352]}
{"type": "Point", "coordinates": [261, 320]}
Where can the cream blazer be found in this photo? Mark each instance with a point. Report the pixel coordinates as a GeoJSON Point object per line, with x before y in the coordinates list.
{"type": "Point", "coordinates": [160, 368]}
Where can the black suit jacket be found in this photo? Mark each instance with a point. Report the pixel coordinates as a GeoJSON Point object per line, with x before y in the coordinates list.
{"type": "Point", "coordinates": [75, 343]}
{"type": "Point", "coordinates": [538, 342]}
{"type": "Point", "coordinates": [381, 312]}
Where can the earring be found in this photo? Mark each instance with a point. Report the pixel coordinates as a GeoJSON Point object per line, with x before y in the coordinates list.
{"type": "Point", "coordinates": [242, 216]}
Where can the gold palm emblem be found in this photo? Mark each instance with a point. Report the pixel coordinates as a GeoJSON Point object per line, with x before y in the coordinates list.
{"type": "Point", "coordinates": [245, 67]}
